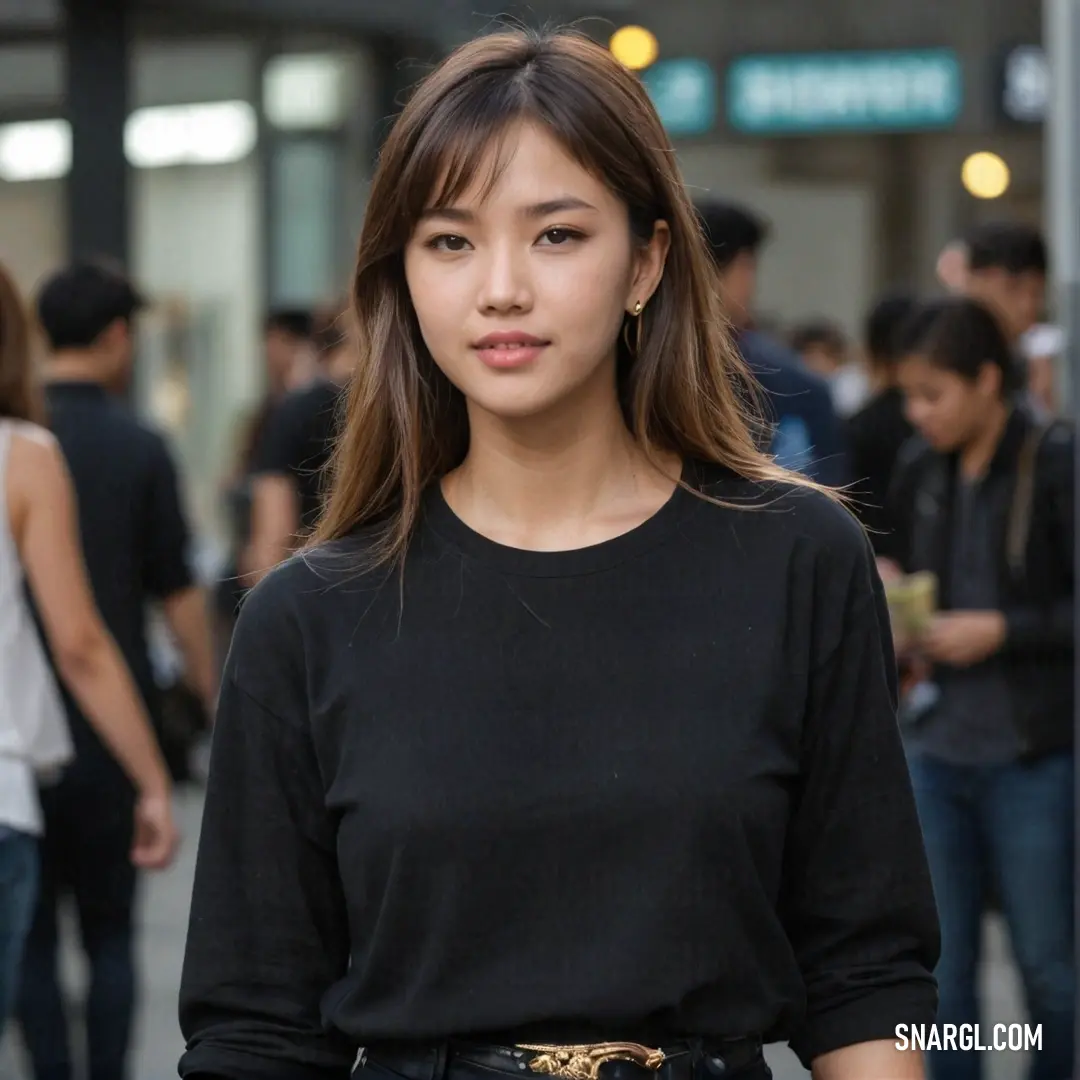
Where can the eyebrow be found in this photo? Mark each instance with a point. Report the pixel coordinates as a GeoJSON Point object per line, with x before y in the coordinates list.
{"type": "Point", "coordinates": [536, 210]}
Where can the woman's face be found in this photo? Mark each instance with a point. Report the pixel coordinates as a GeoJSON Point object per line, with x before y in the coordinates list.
{"type": "Point", "coordinates": [947, 409]}
{"type": "Point", "coordinates": [520, 296]}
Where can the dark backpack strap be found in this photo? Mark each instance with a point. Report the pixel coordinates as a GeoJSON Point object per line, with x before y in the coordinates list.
{"type": "Point", "coordinates": [1023, 500]}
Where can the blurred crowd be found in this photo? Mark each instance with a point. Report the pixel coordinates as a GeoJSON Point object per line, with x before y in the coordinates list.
{"type": "Point", "coordinates": [940, 419]}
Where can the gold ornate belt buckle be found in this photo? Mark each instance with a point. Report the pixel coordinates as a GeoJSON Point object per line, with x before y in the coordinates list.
{"type": "Point", "coordinates": [583, 1062]}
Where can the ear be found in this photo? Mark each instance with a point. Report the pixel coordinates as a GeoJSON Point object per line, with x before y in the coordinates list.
{"type": "Point", "coordinates": [649, 265]}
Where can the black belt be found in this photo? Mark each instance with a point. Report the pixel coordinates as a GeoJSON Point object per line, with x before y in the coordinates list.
{"type": "Point", "coordinates": [687, 1060]}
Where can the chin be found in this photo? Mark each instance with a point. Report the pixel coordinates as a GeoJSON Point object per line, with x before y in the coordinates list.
{"type": "Point", "coordinates": [524, 395]}
{"type": "Point", "coordinates": [526, 405]}
{"type": "Point", "coordinates": [941, 443]}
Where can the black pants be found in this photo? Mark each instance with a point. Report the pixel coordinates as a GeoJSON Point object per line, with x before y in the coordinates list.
{"type": "Point", "coordinates": [445, 1063]}
{"type": "Point", "coordinates": [85, 854]}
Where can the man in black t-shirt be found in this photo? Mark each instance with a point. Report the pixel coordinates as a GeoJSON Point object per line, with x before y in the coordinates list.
{"type": "Point", "coordinates": [135, 540]}
{"type": "Point", "coordinates": [291, 458]}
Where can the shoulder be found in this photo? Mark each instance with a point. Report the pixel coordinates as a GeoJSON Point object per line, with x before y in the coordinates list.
{"type": "Point", "coordinates": [290, 416]}
{"type": "Point", "coordinates": [1056, 457]}
{"type": "Point", "coordinates": [770, 358]}
{"type": "Point", "coordinates": [130, 433]}
{"type": "Point", "coordinates": [34, 438]}
{"type": "Point", "coordinates": [1058, 441]}
{"type": "Point", "coordinates": [266, 653]}
{"type": "Point", "coordinates": [150, 435]}
{"type": "Point", "coordinates": [759, 348]}
{"type": "Point", "coordinates": [801, 554]}
{"type": "Point", "coordinates": [294, 614]}
{"type": "Point", "coordinates": [153, 465]}
{"type": "Point", "coordinates": [35, 454]}
{"type": "Point", "coordinates": [785, 514]}
{"type": "Point", "coordinates": [317, 397]}
{"type": "Point", "coordinates": [37, 477]}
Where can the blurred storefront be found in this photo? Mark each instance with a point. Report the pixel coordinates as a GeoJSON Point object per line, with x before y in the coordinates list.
{"type": "Point", "coordinates": [243, 134]}
{"type": "Point", "coordinates": [848, 125]}
{"type": "Point", "coordinates": [221, 149]}
{"type": "Point", "coordinates": [246, 167]}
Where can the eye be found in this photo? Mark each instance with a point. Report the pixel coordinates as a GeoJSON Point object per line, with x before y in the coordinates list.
{"type": "Point", "coordinates": [447, 242]}
{"type": "Point", "coordinates": [557, 237]}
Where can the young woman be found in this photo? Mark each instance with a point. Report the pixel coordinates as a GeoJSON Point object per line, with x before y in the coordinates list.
{"type": "Point", "coordinates": [985, 502]}
{"type": "Point", "coordinates": [39, 541]}
{"type": "Point", "coordinates": [569, 746]}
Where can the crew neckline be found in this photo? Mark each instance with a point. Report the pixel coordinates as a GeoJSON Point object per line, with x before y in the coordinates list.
{"type": "Point", "coordinates": [593, 558]}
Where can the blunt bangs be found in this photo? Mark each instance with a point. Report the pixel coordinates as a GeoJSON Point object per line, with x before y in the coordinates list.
{"type": "Point", "coordinates": [471, 128]}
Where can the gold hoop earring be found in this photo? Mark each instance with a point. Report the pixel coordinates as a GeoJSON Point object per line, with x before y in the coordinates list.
{"type": "Point", "coordinates": [636, 348]}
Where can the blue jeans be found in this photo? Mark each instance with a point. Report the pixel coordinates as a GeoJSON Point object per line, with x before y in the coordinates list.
{"type": "Point", "coordinates": [1012, 825]}
{"type": "Point", "coordinates": [85, 853]}
{"type": "Point", "coordinates": [18, 891]}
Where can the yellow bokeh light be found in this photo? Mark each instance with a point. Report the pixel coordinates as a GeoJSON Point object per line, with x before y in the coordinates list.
{"type": "Point", "coordinates": [634, 47]}
{"type": "Point", "coordinates": [985, 175]}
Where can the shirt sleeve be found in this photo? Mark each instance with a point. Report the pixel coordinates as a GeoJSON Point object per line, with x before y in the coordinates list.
{"type": "Point", "coordinates": [166, 566]}
{"type": "Point", "coordinates": [857, 900]}
{"type": "Point", "coordinates": [268, 934]}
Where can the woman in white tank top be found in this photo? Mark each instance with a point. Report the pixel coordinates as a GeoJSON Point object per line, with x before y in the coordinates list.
{"type": "Point", "coordinates": [39, 544]}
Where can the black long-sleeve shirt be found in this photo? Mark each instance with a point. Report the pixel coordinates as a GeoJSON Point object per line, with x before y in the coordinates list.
{"type": "Point", "coordinates": [649, 788]}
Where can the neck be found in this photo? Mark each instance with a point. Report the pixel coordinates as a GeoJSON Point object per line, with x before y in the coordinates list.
{"type": "Point", "coordinates": [555, 481]}
{"type": "Point", "coordinates": [74, 365]}
{"type": "Point", "coordinates": [976, 456]}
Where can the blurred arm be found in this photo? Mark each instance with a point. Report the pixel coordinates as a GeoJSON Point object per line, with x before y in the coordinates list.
{"type": "Point", "coordinates": [87, 659]}
{"type": "Point", "coordinates": [188, 618]}
{"type": "Point", "coordinates": [879, 1058]}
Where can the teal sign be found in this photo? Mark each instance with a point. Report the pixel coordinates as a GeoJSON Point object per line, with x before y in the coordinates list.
{"type": "Point", "coordinates": [859, 91]}
{"type": "Point", "coordinates": [684, 93]}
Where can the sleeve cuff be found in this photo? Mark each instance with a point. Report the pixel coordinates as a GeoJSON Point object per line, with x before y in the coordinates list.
{"type": "Point", "coordinates": [872, 1017]}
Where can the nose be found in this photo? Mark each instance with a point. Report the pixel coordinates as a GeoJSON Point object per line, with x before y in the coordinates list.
{"type": "Point", "coordinates": [506, 284]}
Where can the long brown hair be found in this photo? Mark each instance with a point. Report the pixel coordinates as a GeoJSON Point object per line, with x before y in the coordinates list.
{"type": "Point", "coordinates": [19, 396]}
{"type": "Point", "coordinates": [684, 388]}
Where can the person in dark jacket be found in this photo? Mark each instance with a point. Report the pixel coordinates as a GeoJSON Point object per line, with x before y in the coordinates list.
{"type": "Point", "coordinates": [879, 429]}
{"type": "Point", "coordinates": [807, 434]}
{"type": "Point", "coordinates": [984, 500]}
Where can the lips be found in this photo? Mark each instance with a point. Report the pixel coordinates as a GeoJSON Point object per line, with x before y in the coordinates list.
{"type": "Point", "coordinates": [509, 349]}
{"type": "Point", "coordinates": [508, 339]}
